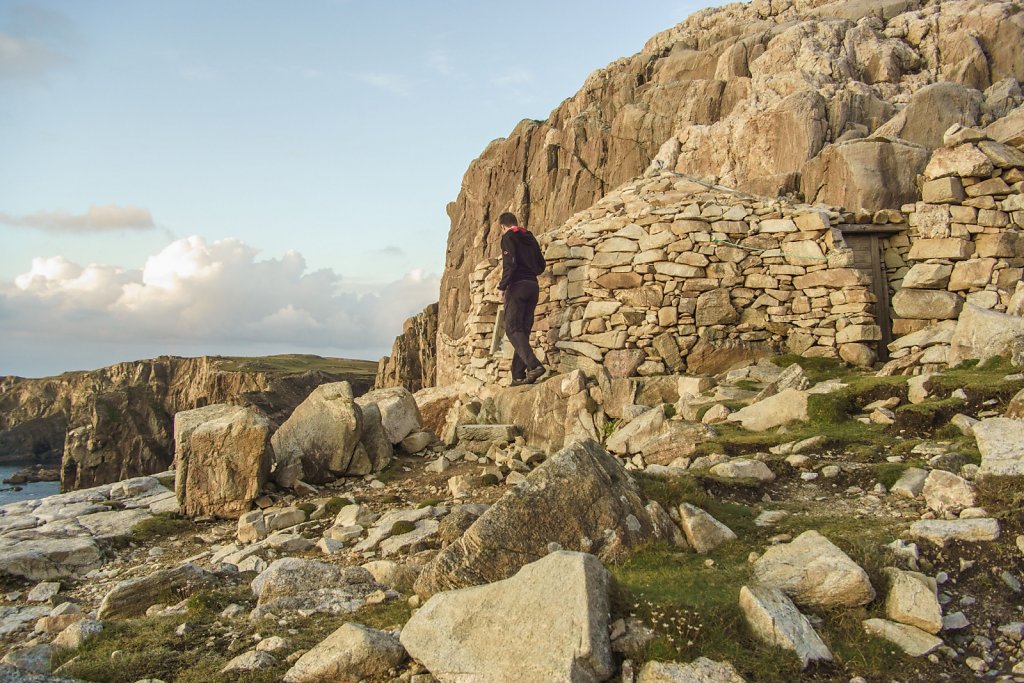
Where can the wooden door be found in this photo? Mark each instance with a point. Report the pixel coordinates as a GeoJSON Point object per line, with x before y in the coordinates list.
{"type": "Point", "coordinates": [869, 256]}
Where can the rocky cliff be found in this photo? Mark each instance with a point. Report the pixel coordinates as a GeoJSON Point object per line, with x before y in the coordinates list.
{"type": "Point", "coordinates": [116, 422]}
{"type": "Point", "coordinates": [840, 102]}
{"type": "Point", "coordinates": [412, 363]}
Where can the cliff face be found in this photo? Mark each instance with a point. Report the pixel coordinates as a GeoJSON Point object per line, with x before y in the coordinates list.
{"type": "Point", "coordinates": [839, 101]}
{"type": "Point", "coordinates": [116, 422]}
{"type": "Point", "coordinates": [412, 363]}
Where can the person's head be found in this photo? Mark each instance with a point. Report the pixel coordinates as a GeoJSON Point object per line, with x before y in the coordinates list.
{"type": "Point", "coordinates": [507, 220]}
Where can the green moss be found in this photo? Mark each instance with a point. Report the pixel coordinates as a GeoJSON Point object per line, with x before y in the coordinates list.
{"type": "Point", "coordinates": [160, 526]}
{"type": "Point", "coordinates": [490, 479]}
{"type": "Point", "coordinates": [429, 502]}
{"type": "Point", "coordinates": [748, 385]}
{"type": "Point", "coordinates": [308, 508]}
{"type": "Point", "coordinates": [333, 505]}
{"type": "Point", "coordinates": [669, 409]}
{"type": "Point", "coordinates": [399, 528]}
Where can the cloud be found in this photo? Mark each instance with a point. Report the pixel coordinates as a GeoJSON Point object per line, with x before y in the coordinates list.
{"type": "Point", "coordinates": [513, 76]}
{"type": "Point", "coordinates": [96, 219]}
{"type": "Point", "coordinates": [396, 84]}
{"type": "Point", "coordinates": [33, 43]}
{"type": "Point", "coordinates": [205, 295]}
{"type": "Point", "coordinates": [389, 251]}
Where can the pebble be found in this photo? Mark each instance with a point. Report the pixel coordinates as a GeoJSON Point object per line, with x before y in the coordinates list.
{"type": "Point", "coordinates": [1011, 581]}
{"type": "Point", "coordinates": [976, 664]}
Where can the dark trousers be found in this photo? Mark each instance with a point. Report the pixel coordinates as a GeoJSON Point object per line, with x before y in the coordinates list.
{"type": "Point", "coordinates": [520, 302]}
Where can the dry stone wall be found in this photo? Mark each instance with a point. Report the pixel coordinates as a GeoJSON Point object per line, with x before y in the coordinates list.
{"type": "Point", "coordinates": [842, 101]}
{"type": "Point", "coordinates": [965, 242]}
{"type": "Point", "coordinates": [669, 273]}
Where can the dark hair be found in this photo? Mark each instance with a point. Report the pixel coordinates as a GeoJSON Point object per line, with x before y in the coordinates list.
{"type": "Point", "coordinates": [508, 219]}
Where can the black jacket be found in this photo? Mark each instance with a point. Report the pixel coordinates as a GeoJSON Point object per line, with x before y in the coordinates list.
{"type": "Point", "coordinates": [512, 270]}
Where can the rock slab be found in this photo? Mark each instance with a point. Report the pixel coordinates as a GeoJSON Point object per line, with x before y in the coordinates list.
{"type": "Point", "coordinates": [775, 619]}
{"type": "Point", "coordinates": [815, 573]}
{"type": "Point", "coordinates": [549, 622]}
{"type": "Point", "coordinates": [581, 498]}
{"type": "Point", "coordinates": [352, 653]}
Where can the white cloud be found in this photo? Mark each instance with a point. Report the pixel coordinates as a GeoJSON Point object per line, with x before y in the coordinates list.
{"type": "Point", "coordinates": [34, 42]}
{"type": "Point", "coordinates": [96, 219]}
{"type": "Point", "coordinates": [396, 84]}
{"type": "Point", "coordinates": [208, 296]}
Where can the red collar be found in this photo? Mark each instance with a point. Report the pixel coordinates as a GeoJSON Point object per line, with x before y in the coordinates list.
{"type": "Point", "coordinates": [518, 228]}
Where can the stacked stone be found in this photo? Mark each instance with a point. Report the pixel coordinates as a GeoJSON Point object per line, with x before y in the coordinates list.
{"type": "Point", "coordinates": [966, 237]}
{"type": "Point", "coordinates": [685, 273]}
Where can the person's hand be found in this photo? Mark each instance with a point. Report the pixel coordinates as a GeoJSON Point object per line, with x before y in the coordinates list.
{"type": "Point", "coordinates": [501, 295]}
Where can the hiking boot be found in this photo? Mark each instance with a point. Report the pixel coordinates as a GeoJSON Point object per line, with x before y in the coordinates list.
{"type": "Point", "coordinates": [518, 382]}
{"type": "Point", "coordinates": [535, 374]}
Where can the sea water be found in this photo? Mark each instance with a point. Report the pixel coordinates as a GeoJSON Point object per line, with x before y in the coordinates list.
{"type": "Point", "coordinates": [28, 491]}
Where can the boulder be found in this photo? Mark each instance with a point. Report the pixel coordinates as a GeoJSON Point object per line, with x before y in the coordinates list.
{"type": "Point", "coordinates": [868, 174]}
{"type": "Point", "coordinates": [942, 531]}
{"type": "Point", "coordinates": [225, 465]}
{"type": "Point", "coordinates": [631, 438]}
{"type": "Point", "coordinates": [742, 468]}
{"type": "Point", "coordinates": [786, 406]}
{"type": "Point", "coordinates": [50, 558]}
{"type": "Point", "coordinates": [814, 573]}
{"type": "Point", "coordinates": [74, 635]}
{"type": "Point", "coordinates": [34, 659]}
{"type": "Point", "coordinates": [518, 528]}
{"type": "Point", "coordinates": [131, 598]}
{"type": "Point", "coordinates": [392, 574]}
{"type": "Point", "coordinates": [250, 661]}
{"type": "Point", "coordinates": [700, 670]}
{"type": "Point", "coordinates": [931, 111]}
{"type": "Point", "coordinates": [946, 492]}
{"type": "Point", "coordinates": [186, 422]}
{"type": "Point", "coordinates": [910, 639]}
{"type": "Point", "coordinates": [1001, 442]}
{"type": "Point", "coordinates": [317, 443]}
{"type": "Point", "coordinates": [293, 584]}
{"type": "Point", "coordinates": [374, 439]}
{"type": "Point", "coordinates": [984, 334]}
{"type": "Point", "coordinates": [703, 532]}
{"type": "Point", "coordinates": [548, 622]}
{"type": "Point", "coordinates": [910, 483]}
{"type": "Point", "coordinates": [399, 414]}
{"type": "Point", "coordinates": [351, 654]}
{"type": "Point", "coordinates": [775, 619]}
{"type": "Point", "coordinates": [548, 412]}
{"type": "Point", "coordinates": [914, 600]}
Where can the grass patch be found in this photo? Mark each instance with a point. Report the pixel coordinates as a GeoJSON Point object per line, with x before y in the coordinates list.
{"type": "Point", "coordinates": [291, 363]}
{"type": "Point", "coordinates": [1003, 497]}
{"type": "Point", "coordinates": [669, 410]}
{"type": "Point", "coordinates": [307, 508]}
{"type": "Point", "coordinates": [429, 502]}
{"type": "Point", "coordinates": [161, 525]}
{"type": "Point", "coordinates": [149, 647]}
{"type": "Point", "coordinates": [490, 479]}
{"type": "Point", "coordinates": [748, 385]}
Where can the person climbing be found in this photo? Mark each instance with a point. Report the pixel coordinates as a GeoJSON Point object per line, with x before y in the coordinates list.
{"type": "Point", "coordinates": [521, 263]}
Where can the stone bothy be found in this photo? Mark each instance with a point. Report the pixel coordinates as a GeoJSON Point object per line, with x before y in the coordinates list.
{"type": "Point", "coordinates": [677, 274]}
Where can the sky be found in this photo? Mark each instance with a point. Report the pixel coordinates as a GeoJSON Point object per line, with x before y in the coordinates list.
{"type": "Point", "coordinates": [254, 177]}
